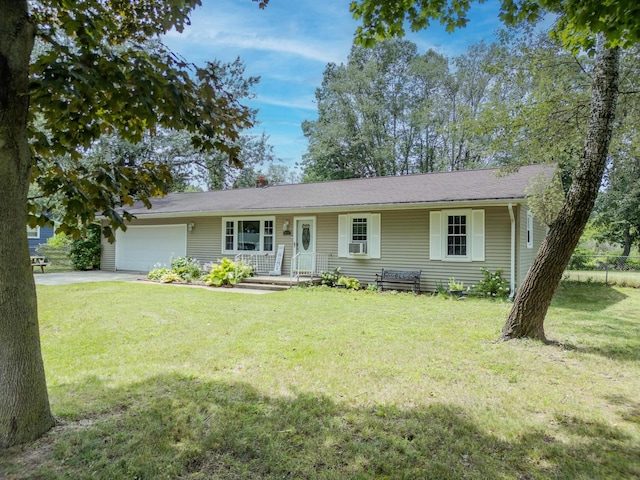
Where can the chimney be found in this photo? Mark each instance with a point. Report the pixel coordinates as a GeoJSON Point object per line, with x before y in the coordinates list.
{"type": "Point", "coordinates": [262, 182]}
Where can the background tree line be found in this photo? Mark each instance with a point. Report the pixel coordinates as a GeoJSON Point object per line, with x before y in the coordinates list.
{"type": "Point", "coordinates": [393, 111]}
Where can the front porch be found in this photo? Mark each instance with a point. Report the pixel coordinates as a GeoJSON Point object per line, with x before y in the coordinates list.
{"type": "Point", "coordinates": [277, 282]}
{"type": "Point", "coordinates": [304, 268]}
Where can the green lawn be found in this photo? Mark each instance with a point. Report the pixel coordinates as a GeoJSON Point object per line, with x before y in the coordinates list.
{"type": "Point", "coordinates": [156, 381]}
{"type": "Point", "coordinates": [611, 277]}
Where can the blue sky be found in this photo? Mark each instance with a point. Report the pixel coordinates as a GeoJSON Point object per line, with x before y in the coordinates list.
{"type": "Point", "coordinates": [288, 45]}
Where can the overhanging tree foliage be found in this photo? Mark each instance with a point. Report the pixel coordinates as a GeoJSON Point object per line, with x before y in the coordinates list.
{"type": "Point", "coordinates": [599, 27]}
{"type": "Point", "coordinates": [99, 73]}
{"type": "Point", "coordinates": [95, 75]}
{"type": "Point", "coordinates": [539, 104]}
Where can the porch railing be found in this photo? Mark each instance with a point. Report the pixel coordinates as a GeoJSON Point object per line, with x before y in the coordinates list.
{"type": "Point", "coordinates": [262, 263]}
{"type": "Point", "coordinates": [308, 265]}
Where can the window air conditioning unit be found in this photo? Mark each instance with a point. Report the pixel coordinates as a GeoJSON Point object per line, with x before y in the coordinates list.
{"type": "Point", "coordinates": [358, 248]}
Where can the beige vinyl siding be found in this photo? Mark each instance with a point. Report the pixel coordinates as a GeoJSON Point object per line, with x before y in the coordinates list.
{"type": "Point", "coordinates": [205, 239]}
{"type": "Point", "coordinates": [327, 238]}
{"type": "Point", "coordinates": [107, 255]}
{"type": "Point", "coordinates": [497, 241]}
{"type": "Point", "coordinates": [393, 255]}
{"type": "Point", "coordinates": [286, 240]}
{"type": "Point", "coordinates": [404, 242]}
{"type": "Point", "coordinates": [527, 255]}
{"type": "Point", "coordinates": [405, 245]}
{"type": "Point", "coordinates": [497, 255]}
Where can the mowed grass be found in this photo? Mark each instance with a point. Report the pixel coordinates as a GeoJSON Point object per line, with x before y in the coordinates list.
{"type": "Point", "coordinates": [612, 277]}
{"type": "Point", "coordinates": [155, 381]}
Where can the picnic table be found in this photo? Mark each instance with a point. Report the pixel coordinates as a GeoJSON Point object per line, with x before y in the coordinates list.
{"type": "Point", "coordinates": [39, 261]}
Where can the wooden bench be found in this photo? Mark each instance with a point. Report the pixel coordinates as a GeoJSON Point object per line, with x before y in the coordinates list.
{"type": "Point", "coordinates": [37, 261]}
{"type": "Point", "coordinates": [392, 279]}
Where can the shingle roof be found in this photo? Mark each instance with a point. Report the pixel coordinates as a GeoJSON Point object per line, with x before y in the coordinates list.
{"type": "Point", "coordinates": [460, 186]}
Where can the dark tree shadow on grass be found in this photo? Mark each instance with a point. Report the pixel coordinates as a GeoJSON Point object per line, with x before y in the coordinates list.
{"type": "Point", "coordinates": [584, 296]}
{"type": "Point", "coordinates": [628, 408]}
{"type": "Point", "coordinates": [609, 337]}
{"type": "Point", "coordinates": [177, 427]}
{"type": "Point", "coordinates": [606, 335]}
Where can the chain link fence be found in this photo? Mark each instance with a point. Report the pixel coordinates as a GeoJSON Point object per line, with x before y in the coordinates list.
{"type": "Point", "coordinates": [608, 269]}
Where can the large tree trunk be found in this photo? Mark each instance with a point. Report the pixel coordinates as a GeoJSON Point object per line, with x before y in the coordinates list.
{"type": "Point", "coordinates": [24, 404]}
{"type": "Point", "coordinates": [626, 245]}
{"type": "Point", "coordinates": [533, 298]}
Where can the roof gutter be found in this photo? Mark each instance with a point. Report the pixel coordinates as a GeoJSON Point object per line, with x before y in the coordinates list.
{"type": "Point", "coordinates": [321, 209]}
{"type": "Point", "coordinates": [512, 290]}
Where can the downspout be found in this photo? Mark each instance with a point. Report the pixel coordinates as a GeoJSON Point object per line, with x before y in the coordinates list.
{"type": "Point", "coordinates": [512, 290]}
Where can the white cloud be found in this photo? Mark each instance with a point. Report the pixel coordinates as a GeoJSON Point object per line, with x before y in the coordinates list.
{"type": "Point", "coordinates": [297, 103]}
{"type": "Point", "coordinates": [237, 29]}
{"type": "Point", "coordinates": [303, 49]}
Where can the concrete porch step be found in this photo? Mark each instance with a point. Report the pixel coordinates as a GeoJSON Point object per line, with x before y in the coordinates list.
{"type": "Point", "coordinates": [274, 283]}
{"type": "Point", "coordinates": [260, 282]}
{"type": "Point", "coordinates": [262, 286]}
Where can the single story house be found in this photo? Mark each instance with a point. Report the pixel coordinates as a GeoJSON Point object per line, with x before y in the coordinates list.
{"type": "Point", "coordinates": [446, 224]}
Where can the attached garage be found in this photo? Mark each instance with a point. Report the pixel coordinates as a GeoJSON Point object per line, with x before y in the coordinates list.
{"type": "Point", "coordinates": [140, 248]}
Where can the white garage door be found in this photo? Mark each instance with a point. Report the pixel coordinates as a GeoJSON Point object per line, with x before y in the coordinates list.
{"type": "Point", "coordinates": [141, 248]}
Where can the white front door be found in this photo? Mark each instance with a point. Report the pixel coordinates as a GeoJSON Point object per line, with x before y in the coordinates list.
{"type": "Point", "coordinates": [304, 245]}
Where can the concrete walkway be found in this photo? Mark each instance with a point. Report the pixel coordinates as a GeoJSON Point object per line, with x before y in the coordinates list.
{"type": "Point", "coordinates": [65, 278]}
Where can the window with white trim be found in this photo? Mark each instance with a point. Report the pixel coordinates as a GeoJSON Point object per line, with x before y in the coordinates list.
{"type": "Point", "coordinates": [529, 230]}
{"type": "Point", "coordinates": [33, 232]}
{"type": "Point", "coordinates": [359, 229]}
{"type": "Point", "coordinates": [248, 234]}
{"type": "Point", "coordinates": [359, 235]}
{"type": "Point", "coordinates": [457, 235]}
